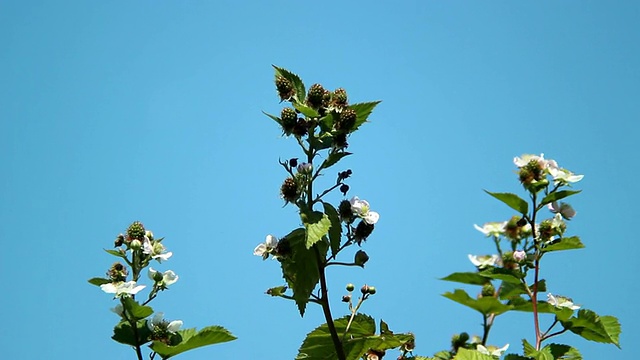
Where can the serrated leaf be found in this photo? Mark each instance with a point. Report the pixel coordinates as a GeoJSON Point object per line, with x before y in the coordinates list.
{"type": "Point", "coordinates": [116, 253]}
{"type": "Point", "coordinates": [300, 267]}
{"type": "Point", "coordinates": [98, 281]}
{"type": "Point", "coordinates": [363, 110]}
{"type": "Point", "coordinates": [333, 158]}
{"type": "Point", "coordinates": [305, 110]}
{"type": "Point", "coordinates": [123, 333]}
{"type": "Point", "coordinates": [274, 118]}
{"type": "Point", "coordinates": [136, 310]}
{"type": "Point", "coordinates": [324, 141]}
{"type": "Point", "coordinates": [317, 225]}
{"type": "Point", "coordinates": [466, 354]}
{"type": "Point", "coordinates": [591, 326]}
{"type": "Point", "coordinates": [515, 357]}
{"type": "Point", "coordinates": [565, 243]}
{"type": "Point", "coordinates": [510, 290]}
{"type": "Point", "coordinates": [335, 231]}
{"type": "Point", "coordinates": [191, 339]}
{"type": "Point", "coordinates": [555, 196]}
{"type": "Point", "coordinates": [506, 275]}
{"type": "Point", "coordinates": [298, 85]}
{"type": "Point", "coordinates": [512, 200]}
{"type": "Point", "coordinates": [527, 348]}
{"type": "Point", "coordinates": [520, 304]}
{"type": "Point", "coordinates": [564, 352]}
{"type": "Point", "coordinates": [472, 278]}
{"type": "Point", "coordinates": [485, 305]}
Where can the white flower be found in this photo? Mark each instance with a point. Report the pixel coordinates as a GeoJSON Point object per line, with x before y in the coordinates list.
{"type": "Point", "coordinates": [561, 302]}
{"type": "Point", "coordinates": [118, 309]}
{"type": "Point", "coordinates": [564, 209]}
{"type": "Point", "coordinates": [266, 247]}
{"type": "Point", "coordinates": [519, 255]}
{"type": "Point", "coordinates": [483, 261]}
{"type": "Point", "coordinates": [360, 208]}
{"type": "Point", "coordinates": [121, 288]}
{"type": "Point", "coordinates": [158, 321]}
{"type": "Point", "coordinates": [492, 228]}
{"type": "Point", "coordinates": [155, 249]}
{"type": "Point", "coordinates": [564, 176]}
{"type": "Point", "coordinates": [492, 350]}
{"type": "Point", "coordinates": [168, 277]}
{"type": "Point", "coordinates": [527, 158]}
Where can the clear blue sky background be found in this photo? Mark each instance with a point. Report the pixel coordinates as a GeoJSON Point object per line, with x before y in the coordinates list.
{"type": "Point", "coordinates": [118, 111]}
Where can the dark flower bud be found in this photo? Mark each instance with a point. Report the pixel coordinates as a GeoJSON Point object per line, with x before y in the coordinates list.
{"type": "Point", "coordinates": [361, 258]}
{"type": "Point", "coordinates": [301, 128]}
{"type": "Point", "coordinates": [289, 190]}
{"type": "Point", "coordinates": [344, 175]}
{"type": "Point", "coordinates": [339, 97]}
{"type": "Point", "coordinates": [340, 141]}
{"type": "Point", "coordinates": [289, 119]}
{"type": "Point", "coordinates": [315, 96]}
{"type": "Point", "coordinates": [118, 241]}
{"type": "Point", "coordinates": [345, 212]}
{"type": "Point", "coordinates": [363, 230]}
{"type": "Point", "coordinates": [293, 162]}
{"type": "Point", "coordinates": [364, 289]}
{"type": "Point", "coordinates": [459, 340]}
{"type": "Point", "coordinates": [346, 298]}
{"type": "Point", "coordinates": [346, 121]}
{"type": "Point", "coordinates": [305, 168]}
{"type": "Point", "coordinates": [344, 188]}
{"type": "Point", "coordinates": [285, 88]}
{"type": "Point", "coordinates": [136, 231]}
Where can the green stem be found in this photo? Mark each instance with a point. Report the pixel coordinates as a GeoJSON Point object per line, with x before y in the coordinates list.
{"type": "Point", "coordinates": [134, 328]}
{"type": "Point", "coordinates": [534, 298]}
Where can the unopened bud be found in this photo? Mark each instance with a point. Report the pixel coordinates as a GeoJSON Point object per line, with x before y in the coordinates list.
{"type": "Point", "coordinates": [305, 168]}
{"type": "Point", "coordinates": [519, 255]}
{"type": "Point", "coordinates": [157, 276]}
{"type": "Point", "coordinates": [364, 289]}
{"type": "Point", "coordinates": [360, 258]}
{"type": "Point", "coordinates": [372, 290]}
{"type": "Point", "coordinates": [350, 287]}
{"type": "Point", "coordinates": [344, 188]}
{"type": "Point", "coordinates": [293, 162]}
{"type": "Point", "coordinates": [149, 234]}
{"type": "Point", "coordinates": [488, 290]}
{"type": "Point", "coordinates": [346, 298]}
{"type": "Point", "coordinates": [119, 240]}
{"type": "Point", "coordinates": [135, 244]}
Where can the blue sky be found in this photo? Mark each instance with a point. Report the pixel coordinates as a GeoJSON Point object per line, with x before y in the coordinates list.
{"type": "Point", "coordinates": [112, 112]}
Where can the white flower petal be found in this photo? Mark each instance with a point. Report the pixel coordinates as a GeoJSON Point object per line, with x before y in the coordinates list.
{"type": "Point", "coordinates": [169, 277]}
{"type": "Point", "coordinates": [371, 217]}
{"type": "Point", "coordinates": [260, 250]}
{"type": "Point", "coordinates": [174, 326]}
{"type": "Point", "coordinates": [109, 288]}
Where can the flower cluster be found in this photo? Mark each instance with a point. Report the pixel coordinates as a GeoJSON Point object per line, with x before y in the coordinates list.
{"type": "Point", "coordinates": [534, 169]}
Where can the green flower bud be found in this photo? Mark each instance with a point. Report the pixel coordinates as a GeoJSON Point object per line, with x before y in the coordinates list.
{"type": "Point", "coordinates": [372, 290]}
{"type": "Point", "coordinates": [350, 287]}
{"type": "Point", "coordinates": [360, 258]}
{"type": "Point", "coordinates": [136, 231]}
{"type": "Point", "coordinates": [135, 244]}
{"type": "Point", "coordinates": [157, 276]}
{"type": "Point", "coordinates": [488, 290]}
{"type": "Point", "coordinates": [346, 298]}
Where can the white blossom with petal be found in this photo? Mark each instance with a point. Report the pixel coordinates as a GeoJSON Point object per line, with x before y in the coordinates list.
{"type": "Point", "coordinates": [483, 261]}
{"type": "Point", "coordinates": [519, 255]}
{"type": "Point", "coordinates": [158, 320]}
{"type": "Point", "coordinates": [527, 158]}
{"type": "Point", "coordinates": [122, 288]}
{"type": "Point", "coordinates": [361, 209]}
{"type": "Point", "coordinates": [492, 228]}
{"type": "Point", "coordinates": [561, 302]}
{"type": "Point", "coordinates": [492, 350]}
{"type": "Point", "coordinates": [155, 249]}
{"type": "Point", "coordinates": [168, 277]}
{"type": "Point", "coordinates": [564, 209]}
{"type": "Point", "coordinates": [265, 248]}
{"type": "Point", "coordinates": [564, 176]}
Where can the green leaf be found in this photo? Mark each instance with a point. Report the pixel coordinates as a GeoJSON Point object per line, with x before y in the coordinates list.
{"type": "Point", "coordinates": [295, 80]}
{"type": "Point", "coordinates": [300, 267]}
{"type": "Point", "coordinates": [591, 326]}
{"type": "Point", "coordinates": [472, 278]}
{"type": "Point", "coordinates": [466, 354]}
{"type": "Point", "coordinates": [520, 304]}
{"type": "Point", "coordinates": [335, 231]}
{"type": "Point", "coordinates": [509, 290]}
{"type": "Point", "coordinates": [191, 339]}
{"type": "Point", "coordinates": [565, 243]}
{"type": "Point", "coordinates": [564, 352]}
{"type": "Point", "coordinates": [512, 200]}
{"type": "Point", "coordinates": [333, 158]}
{"type": "Point", "coordinates": [305, 110]}
{"type": "Point", "coordinates": [485, 305]}
{"type": "Point", "coordinates": [326, 122]}
{"type": "Point", "coordinates": [359, 339]}
{"type": "Point", "coordinates": [317, 225]}
{"type": "Point", "coordinates": [123, 333]}
{"type": "Point", "coordinates": [116, 253]}
{"type": "Point", "coordinates": [506, 275]}
{"type": "Point", "coordinates": [555, 196]}
{"type": "Point", "coordinates": [363, 110]}
{"type": "Point", "coordinates": [136, 310]}
{"type": "Point", "coordinates": [98, 281]}
{"type": "Point", "coordinates": [324, 141]}
{"type": "Point", "coordinates": [515, 357]}
{"type": "Point", "coordinates": [275, 118]}
{"type": "Point", "coordinates": [527, 348]}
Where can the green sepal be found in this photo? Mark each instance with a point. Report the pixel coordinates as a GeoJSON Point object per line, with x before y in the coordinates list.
{"type": "Point", "coordinates": [506, 275]}
{"type": "Point", "coordinates": [317, 225]}
{"type": "Point", "coordinates": [486, 305]}
{"type": "Point", "coordinates": [591, 326]}
{"type": "Point", "coordinates": [135, 310]}
{"type": "Point", "coordinates": [277, 291]}
{"type": "Point", "coordinates": [335, 231]}
{"type": "Point", "coordinates": [466, 354]}
{"type": "Point", "coordinates": [557, 195]}
{"type": "Point", "coordinates": [116, 253]}
{"type": "Point", "coordinates": [123, 333]}
{"type": "Point", "coordinates": [192, 339]}
{"type": "Point", "coordinates": [512, 200]}
{"type": "Point", "coordinates": [98, 281]}
{"type": "Point", "coordinates": [363, 110]}
{"type": "Point", "coordinates": [472, 278]}
{"type": "Point", "coordinates": [300, 266]}
{"type": "Point", "coordinates": [565, 243]}
{"type": "Point", "coordinates": [298, 85]}
{"type": "Point", "coordinates": [275, 118]}
{"type": "Point", "coordinates": [305, 110]}
{"type": "Point", "coordinates": [333, 158]}
{"type": "Point", "coordinates": [359, 339]}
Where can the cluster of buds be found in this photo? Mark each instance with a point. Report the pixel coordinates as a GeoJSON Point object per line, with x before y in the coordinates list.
{"type": "Point", "coordinates": [163, 330]}
{"type": "Point", "coordinates": [533, 171]}
{"type": "Point", "coordinates": [550, 228]}
{"type": "Point", "coordinates": [516, 229]}
{"type": "Point", "coordinates": [117, 273]}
